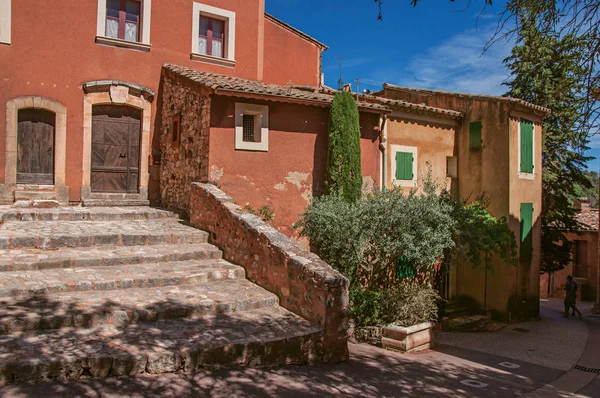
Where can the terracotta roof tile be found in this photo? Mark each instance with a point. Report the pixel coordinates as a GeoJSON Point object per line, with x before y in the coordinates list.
{"type": "Point", "coordinates": [529, 105]}
{"type": "Point", "coordinates": [589, 218]}
{"type": "Point", "coordinates": [235, 85]}
{"type": "Point", "coordinates": [396, 104]}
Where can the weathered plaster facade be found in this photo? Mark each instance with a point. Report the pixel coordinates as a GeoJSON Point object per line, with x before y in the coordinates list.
{"type": "Point", "coordinates": [493, 168]}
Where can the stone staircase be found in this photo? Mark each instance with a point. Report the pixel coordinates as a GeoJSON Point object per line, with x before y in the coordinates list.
{"type": "Point", "coordinates": [97, 292]}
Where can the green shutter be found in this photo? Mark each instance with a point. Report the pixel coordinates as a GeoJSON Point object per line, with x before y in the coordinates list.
{"type": "Point", "coordinates": [526, 146]}
{"type": "Point", "coordinates": [404, 268]}
{"type": "Point", "coordinates": [404, 166]}
{"type": "Point", "coordinates": [475, 135]}
{"type": "Point", "coordinates": [526, 226]}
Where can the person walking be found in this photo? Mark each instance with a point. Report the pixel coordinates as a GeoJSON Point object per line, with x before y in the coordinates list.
{"type": "Point", "coordinates": [571, 297]}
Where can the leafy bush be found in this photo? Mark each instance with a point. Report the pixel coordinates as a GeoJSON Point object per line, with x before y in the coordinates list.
{"type": "Point", "coordinates": [478, 235]}
{"type": "Point", "coordinates": [363, 240]}
{"type": "Point", "coordinates": [404, 304]}
{"type": "Point", "coordinates": [344, 175]}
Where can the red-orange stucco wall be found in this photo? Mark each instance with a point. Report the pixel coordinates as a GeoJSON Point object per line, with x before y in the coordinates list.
{"type": "Point", "coordinates": [289, 58]}
{"type": "Point", "coordinates": [293, 169]}
{"type": "Point", "coordinates": [53, 52]}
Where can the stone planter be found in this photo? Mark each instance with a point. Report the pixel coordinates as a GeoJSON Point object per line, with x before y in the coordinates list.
{"type": "Point", "coordinates": [408, 339]}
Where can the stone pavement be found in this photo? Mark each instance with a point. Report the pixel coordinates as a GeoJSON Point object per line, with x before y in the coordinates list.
{"type": "Point", "coordinates": [128, 291]}
{"type": "Point", "coordinates": [446, 371]}
{"type": "Point", "coordinates": [553, 341]}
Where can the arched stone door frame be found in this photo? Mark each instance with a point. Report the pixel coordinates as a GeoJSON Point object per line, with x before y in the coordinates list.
{"type": "Point", "coordinates": [7, 190]}
{"type": "Point", "coordinates": [111, 92]}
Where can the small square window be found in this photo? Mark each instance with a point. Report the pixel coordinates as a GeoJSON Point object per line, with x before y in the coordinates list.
{"type": "Point", "coordinates": [248, 126]}
{"type": "Point", "coordinates": [251, 127]}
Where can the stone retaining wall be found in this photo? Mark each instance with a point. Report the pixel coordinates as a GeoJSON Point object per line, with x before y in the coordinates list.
{"type": "Point", "coordinates": [304, 283]}
{"type": "Point", "coordinates": [186, 160]}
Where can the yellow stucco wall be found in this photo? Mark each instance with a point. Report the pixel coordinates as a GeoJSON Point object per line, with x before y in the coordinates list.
{"type": "Point", "coordinates": [493, 169]}
{"type": "Point", "coordinates": [434, 142]}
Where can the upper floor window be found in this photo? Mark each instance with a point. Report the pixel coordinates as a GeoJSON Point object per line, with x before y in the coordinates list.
{"type": "Point", "coordinates": [213, 35]}
{"type": "Point", "coordinates": [123, 19]}
{"type": "Point", "coordinates": [124, 23]}
{"type": "Point", "coordinates": [526, 148]}
{"type": "Point", "coordinates": [5, 19]}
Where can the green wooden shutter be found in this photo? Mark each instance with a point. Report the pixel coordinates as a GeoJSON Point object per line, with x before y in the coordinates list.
{"type": "Point", "coordinates": [526, 146]}
{"type": "Point", "coordinates": [404, 166]}
{"type": "Point", "coordinates": [404, 268]}
{"type": "Point", "coordinates": [475, 135]}
{"type": "Point", "coordinates": [526, 226]}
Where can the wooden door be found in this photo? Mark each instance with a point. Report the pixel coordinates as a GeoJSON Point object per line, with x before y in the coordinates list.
{"type": "Point", "coordinates": [35, 147]}
{"type": "Point", "coordinates": [115, 149]}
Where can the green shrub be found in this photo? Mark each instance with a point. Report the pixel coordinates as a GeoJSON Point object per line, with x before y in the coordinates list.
{"type": "Point", "coordinates": [404, 304]}
{"type": "Point", "coordinates": [363, 240]}
{"type": "Point", "coordinates": [344, 175]}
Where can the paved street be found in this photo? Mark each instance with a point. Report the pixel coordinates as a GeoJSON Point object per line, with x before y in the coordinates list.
{"type": "Point", "coordinates": [449, 370]}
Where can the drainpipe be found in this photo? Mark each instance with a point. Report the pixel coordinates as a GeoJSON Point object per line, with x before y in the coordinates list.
{"type": "Point", "coordinates": [383, 148]}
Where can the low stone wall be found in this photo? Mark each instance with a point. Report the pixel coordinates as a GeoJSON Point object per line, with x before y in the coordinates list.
{"type": "Point", "coordinates": [304, 283]}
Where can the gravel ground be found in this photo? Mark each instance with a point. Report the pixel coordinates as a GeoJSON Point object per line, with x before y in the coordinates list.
{"type": "Point", "coordinates": [554, 341]}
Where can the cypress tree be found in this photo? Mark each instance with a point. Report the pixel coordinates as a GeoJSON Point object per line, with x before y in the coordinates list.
{"type": "Point", "coordinates": [344, 176]}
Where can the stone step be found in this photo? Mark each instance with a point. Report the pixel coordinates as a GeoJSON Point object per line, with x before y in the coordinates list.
{"type": "Point", "coordinates": [115, 202]}
{"type": "Point", "coordinates": [34, 195]}
{"type": "Point", "coordinates": [262, 337]}
{"type": "Point", "coordinates": [73, 213]}
{"type": "Point", "coordinates": [130, 306]}
{"type": "Point", "coordinates": [23, 283]}
{"type": "Point", "coordinates": [35, 187]}
{"type": "Point", "coordinates": [35, 259]}
{"type": "Point", "coordinates": [58, 234]}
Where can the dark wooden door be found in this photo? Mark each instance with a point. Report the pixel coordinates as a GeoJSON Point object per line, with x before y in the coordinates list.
{"type": "Point", "coordinates": [35, 147]}
{"type": "Point", "coordinates": [115, 149]}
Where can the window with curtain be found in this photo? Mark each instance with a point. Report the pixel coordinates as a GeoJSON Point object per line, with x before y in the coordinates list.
{"type": "Point", "coordinates": [123, 19]}
{"type": "Point", "coordinates": [212, 37]}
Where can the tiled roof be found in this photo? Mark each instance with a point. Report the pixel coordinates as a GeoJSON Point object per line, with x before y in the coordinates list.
{"type": "Point", "coordinates": [420, 108]}
{"type": "Point", "coordinates": [589, 218]}
{"type": "Point", "coordinates": [222, 84]}
{"type": "Point", "coordinates": [526, 104]}
{"type": "Point", "coordinates": [294, 30]}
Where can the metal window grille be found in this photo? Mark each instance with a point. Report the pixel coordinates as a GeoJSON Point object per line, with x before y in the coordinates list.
{"type": "Point", "coordinates": [248, 128]}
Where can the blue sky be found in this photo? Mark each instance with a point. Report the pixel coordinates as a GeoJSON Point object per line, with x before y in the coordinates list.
{"type": "Point", "coordinates": [437, 44]}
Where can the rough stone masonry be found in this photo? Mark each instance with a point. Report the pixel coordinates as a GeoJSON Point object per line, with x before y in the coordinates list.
{"type": "Point", "coordinates": [305, 284]}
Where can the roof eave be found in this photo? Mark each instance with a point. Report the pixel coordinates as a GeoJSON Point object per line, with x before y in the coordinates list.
{"type": "Point", "coordinates": [298, 32]}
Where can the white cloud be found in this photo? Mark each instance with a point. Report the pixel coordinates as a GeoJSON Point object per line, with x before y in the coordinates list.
{"type": "Point", "coordinates": [594, 141]}
{"type": "Point", "coordinates": [457, 64]}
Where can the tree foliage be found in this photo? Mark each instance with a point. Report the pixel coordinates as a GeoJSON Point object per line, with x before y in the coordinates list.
{"type": "Point", "coordinates": [547, 70]}
{"type": "Point", "coordinates": [579, 19]}
{"type": "Point", "coordinates": [344, 176]}
{"type": "Point", "coordinates": [478, 235]}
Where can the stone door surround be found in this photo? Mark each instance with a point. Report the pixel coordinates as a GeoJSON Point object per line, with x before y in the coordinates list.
{"type": "Point", "coordinates": [113, 92]}
{"type": "Point", "coordinates": [7, 190]}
